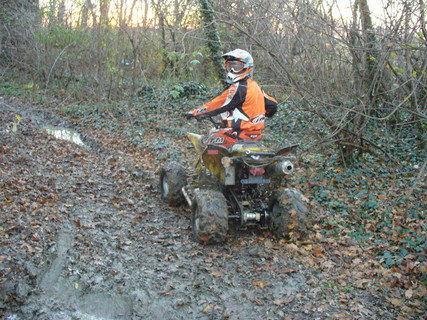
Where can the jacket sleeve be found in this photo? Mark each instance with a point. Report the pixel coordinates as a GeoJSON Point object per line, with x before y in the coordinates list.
{"type": "Point", "coordinates": [227, 101]}
{"type": "Point", "coordinates": [270, 105]}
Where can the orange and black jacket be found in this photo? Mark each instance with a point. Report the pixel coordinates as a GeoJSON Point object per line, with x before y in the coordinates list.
{"type": "Point", "coordinates": [243, 106]}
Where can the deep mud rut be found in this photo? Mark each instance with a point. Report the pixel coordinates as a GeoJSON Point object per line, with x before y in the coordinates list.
{"type": "Point", "coordinates": [84, 235]}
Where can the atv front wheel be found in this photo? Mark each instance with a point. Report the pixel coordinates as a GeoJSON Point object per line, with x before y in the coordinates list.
{"type": "Point", "coordinates": [172, 179]}
{"type": "Point", "coordinates": [210, 217]}
{"type": "Point", "coordinates": [289, 215]}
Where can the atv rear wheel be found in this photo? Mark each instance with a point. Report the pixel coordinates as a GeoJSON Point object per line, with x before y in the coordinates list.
{"type": "Point", "coordinates": [210, 217]}
{"type": "Point", "coordinates": [289, 215]}
{"type": "Point", "coordinates": [172, 179]}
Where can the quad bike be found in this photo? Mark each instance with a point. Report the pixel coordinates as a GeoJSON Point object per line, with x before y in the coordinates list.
{"type": "Point", "coordinates": [239, 186]}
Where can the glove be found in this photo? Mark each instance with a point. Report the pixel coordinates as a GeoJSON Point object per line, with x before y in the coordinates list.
{"type": "Point", "coordinates": [200, 117]}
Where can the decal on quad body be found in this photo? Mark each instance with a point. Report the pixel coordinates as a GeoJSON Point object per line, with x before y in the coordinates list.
{"type": "Point", "coordinates": [217, 140]}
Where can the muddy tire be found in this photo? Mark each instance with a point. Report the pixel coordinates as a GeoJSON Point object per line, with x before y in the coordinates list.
{"type": "Point", "coordinates": [207, 181]}
{"type": "Point", "coordinates": [209, 217]}
{"type": "Point", "coordinates": [289, 215]}
{"type": "Point", "coordinates": [172, 179]}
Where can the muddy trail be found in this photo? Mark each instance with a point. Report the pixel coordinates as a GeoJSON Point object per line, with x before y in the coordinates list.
{"type": "Point", "coordinates": [85, 235]}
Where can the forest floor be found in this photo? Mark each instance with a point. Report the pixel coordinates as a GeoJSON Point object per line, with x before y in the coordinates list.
{"type": "Point", "coordinates": [85, 235]}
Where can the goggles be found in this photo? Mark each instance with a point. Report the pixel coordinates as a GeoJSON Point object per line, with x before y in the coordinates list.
{"type": "Point", "coordinates": [234, 66]}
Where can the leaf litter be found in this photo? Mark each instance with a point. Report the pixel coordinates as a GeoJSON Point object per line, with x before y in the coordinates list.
{"type": "Point", "coordinates": [134, 257]}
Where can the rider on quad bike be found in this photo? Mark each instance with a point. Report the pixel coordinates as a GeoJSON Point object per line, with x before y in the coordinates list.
{"type": "Point", "coordinates": [236, 180]}
{"type": "Point", "coordinates": [243, 106]}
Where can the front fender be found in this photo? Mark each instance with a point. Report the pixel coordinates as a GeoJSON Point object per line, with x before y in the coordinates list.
{"type": "Point", "coordinates": [196, 140]}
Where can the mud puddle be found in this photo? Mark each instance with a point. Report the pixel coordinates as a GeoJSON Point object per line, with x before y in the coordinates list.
{"type": "Point", "coordinates": [65, 134]}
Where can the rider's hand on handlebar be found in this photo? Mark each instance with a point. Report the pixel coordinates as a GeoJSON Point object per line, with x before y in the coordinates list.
{"type": "Point", "coordinates": [188, 115]}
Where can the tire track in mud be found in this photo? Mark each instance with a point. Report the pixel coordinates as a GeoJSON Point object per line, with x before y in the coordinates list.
{"type": "Point", "coordinates": [83, 304]}
{"type": "Point", "coordinates": [50, 276]}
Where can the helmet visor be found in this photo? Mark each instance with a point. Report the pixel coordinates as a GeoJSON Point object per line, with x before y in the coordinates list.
{"type": "Point", "coordinates": [234, 66]}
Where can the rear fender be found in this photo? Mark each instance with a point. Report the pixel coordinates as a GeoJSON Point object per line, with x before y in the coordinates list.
{"type": "Point", "coordinates": [286, 149]}
{"type": "Point", "coordinates": [240, 148]}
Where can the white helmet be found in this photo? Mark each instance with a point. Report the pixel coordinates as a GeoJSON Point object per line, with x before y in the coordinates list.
{"type": "Point", "coordinates": [239, 65]}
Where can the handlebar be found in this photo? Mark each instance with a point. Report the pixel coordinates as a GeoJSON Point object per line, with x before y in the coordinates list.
{"type": "Point", "coordinates": [189, 115]}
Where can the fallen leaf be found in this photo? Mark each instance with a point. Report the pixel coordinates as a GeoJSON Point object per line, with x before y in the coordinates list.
{"type": "Point", "coordinates": [259, 284]}
{"type": "Point", "coordinates": [308, 247]}
{"type": "Point", "coordinates": [363, 310]}
{"type": "Point", "coordinates": [207, 308]}
{"type": "Point", "coordinates": [217, 273]}
{"type": "Point", "coordinates": [286, 201]}
{"type": "Point", "coordinates": [423, 268]}
{"type": "Point", "coordinates": [328, 264]}
{"type": "Point", "coordinates": [292, 225]}
{"type": "Point", "coordinates": [268, 243]}
{"type": "Point", "coordinates": [291, 247]}
{"type": "Point", "coordinates": [294, 214]}
{"type": "Point", "coordinates": [304, 198]}
{"type": "Point", "coordinates": [341, 316]}
{"type": "Point", "coordinates": [396, 302]}
{"type": "Point", "coordinates": [288, 270]}
{"type": "Point", "coordinates": [317, 251]}
{"type": "Point", "coordinates": [362, 283]}
{"type": "Point", "coordinates": [204, 238]}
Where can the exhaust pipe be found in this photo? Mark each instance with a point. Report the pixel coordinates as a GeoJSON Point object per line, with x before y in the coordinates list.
{"type": "Point", "coordinates": [280, 168]}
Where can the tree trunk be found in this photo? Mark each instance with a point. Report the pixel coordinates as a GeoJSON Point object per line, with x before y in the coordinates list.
{"type": "Point", "coordinates": [104, 6]}
{"type": "Point", "coordinates": [84, 15]}
{"type": "Point", "coordinates": [61, 13]}
{"type": "Point", "coordinates": [366, 80]}
{"type": "Point", "coordinates": [372, 80]}
{"type": "Point", "coordinates": [213, 41]}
